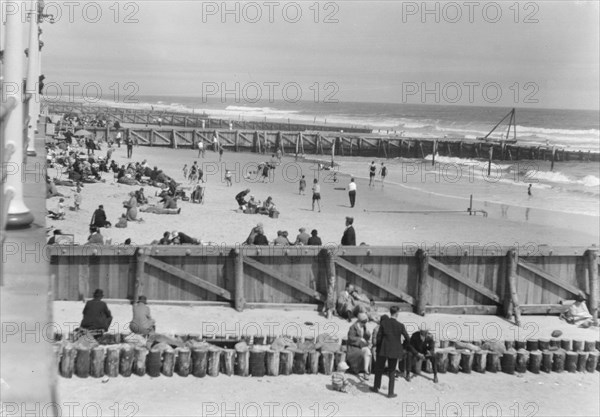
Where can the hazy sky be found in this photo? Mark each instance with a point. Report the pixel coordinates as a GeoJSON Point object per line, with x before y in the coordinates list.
{"type": "Point", "coordinates": [545, 51]}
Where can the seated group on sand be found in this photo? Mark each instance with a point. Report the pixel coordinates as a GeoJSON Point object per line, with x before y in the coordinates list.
{"type": "Point", "coordinates": [257, 237]}
{"type": "Point", "coordinates": [254, 206]}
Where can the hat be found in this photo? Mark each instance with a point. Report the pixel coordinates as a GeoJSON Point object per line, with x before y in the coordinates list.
{"type": "Point", "coordinates": [362, 317]}
{"type": "Point", "coordinates": [142, 299]}
{"type": "Point", "coordinates": [302, 230]}
{"type": "Point", "coordinates": [98, 293]}
{"type": "Point", "coordinates": [424, 327]}
{"type": "Point", "coordinates": [350, 219]}
{"type": "Point", "coordinates": [580, 296]}
{"type": "Point", "coordinates": [342, 367]}
{"type": "Point", "coordinates": [259, 225]}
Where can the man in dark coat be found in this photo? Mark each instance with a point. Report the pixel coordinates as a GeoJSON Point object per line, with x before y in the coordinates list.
{"type": "Point", "coordinates": [424, 343]}
{"type": "Point", "coordinates": [99, 218]}
{"type": "Point", "coordinates": [349, 237]}
{"type": "Point", "coordinates": [389, 349]}
{"type": "Point", "coordinates": [96, 315]}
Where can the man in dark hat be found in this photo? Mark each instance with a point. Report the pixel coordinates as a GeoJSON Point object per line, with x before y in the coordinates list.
{"type": "Point", "coordinates": [96, 315]}
{"type": "Point", "coordinates": [142, 322]}
{"type": "Point", "coordinates": [349, 237]}
{"type": "Point", "coordinates": [390, 348]}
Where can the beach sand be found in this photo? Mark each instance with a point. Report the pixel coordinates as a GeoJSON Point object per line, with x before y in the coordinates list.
{"type": "Point", "coordinates": [217, 220]}
{"type": "Point", "coordinates": [455, 395]}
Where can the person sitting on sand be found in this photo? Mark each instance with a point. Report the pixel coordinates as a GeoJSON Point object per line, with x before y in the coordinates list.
{"type": "Point", "coordinates": [60, 213]}
{"type": "Point", "coordinates": [260, 238]}
{"type": "Point", "coordinates": [197, 195]}
{"type": "Point", "coordinates": [424, 344]}
{"type": "Point", "coordinates": [253, 233]}
{"type": "Point", "coordinates": [281, 239]}
{"type": "Point", "coordinates": [267, 207]}
{"type": "Point", "coordinates": [314, 239]}
{"type": "Point", "coordinates": [302, 238]}
{"type": "Point", "coordinates": [339, 382]}
{"type": "Point", "coordinates": [96, 315]}
{"type": "Point", "coordinates": [140, 197]}
{"type": "Point", "coordinates": [122, 222]}
{"type": "Point", "coordinates": [99, 218]}
{"type": "Point", "coordinates": [142, 322]}
{"type": "Point", "coordinates": [180, 238]}
{"type": "Point", "coordinates": [52, 240]}
{"type": "Point", "coordinates": [240, 198]}
{"type": "Point", "coordinates": [358, 355]}
{"type": "Point", "coordinates": [131, 206]}
{"type": "Point", "coordinates": [95, 237]}
{"type": "Point", "coordinates": [51, 190]}
{"type": "Point", "coordinates": [344, 304]}
{"type": "Point", "coordinates": [252, 203]}
{"type": "Point", "coordinates": [166, 239]}
{"type": "Point", "coordinates": [578, 312]}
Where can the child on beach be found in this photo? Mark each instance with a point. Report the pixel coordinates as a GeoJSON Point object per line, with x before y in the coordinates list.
{"type": "Point", "coordinates": [77, 197]}
{"type": "Point", "coordinates": [302, 186]}
{"type": "Point", "coordinates": [338, 378]}
{"type": "Point", "coordinates": [228, 178]}
{"type": "Point", "coordinates": [185, 171]}
{"type": "Point", "coordinates": [383, 173]}
{"type": "Point", "coordinates": [316, 189]}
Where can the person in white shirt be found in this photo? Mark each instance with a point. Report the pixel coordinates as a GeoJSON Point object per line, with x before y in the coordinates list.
{"type": "Point", "coordinates": [352, 192]}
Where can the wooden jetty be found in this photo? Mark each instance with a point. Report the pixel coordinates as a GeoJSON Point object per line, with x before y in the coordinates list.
{"type": "Point", "coordinates": [347, 144]}
{"type": "Point", "coordinates": [470, 280]}
{"type": "Point", "coordinates": [182, 119]}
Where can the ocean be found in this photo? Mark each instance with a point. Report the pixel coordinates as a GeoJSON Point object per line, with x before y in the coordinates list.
{"type": "Point", "coordinates": [572, 187]}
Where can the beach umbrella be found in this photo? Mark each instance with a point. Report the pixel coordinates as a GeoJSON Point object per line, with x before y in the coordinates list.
{"type": "Point", "coordinates": [82, 132]}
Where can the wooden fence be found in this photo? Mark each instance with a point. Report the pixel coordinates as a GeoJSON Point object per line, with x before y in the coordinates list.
{"type": "Point", "coordinates": [174, 119]}
{"type": "Point", "coordinates": [482, 280]}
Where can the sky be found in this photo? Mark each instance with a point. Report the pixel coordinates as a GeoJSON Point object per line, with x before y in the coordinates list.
{"type": "Point", "coordinates": [524, 54]}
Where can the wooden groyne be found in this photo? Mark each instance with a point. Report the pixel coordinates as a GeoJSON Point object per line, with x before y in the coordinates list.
{"type": "Point", "coordinates": [442, 279]}
{"type": "Point", "coordinates": [256, 359]}
{"type": "Point", "coordinates": [347, 144]}
{"type": "Point", "coordinates": [181, 119]}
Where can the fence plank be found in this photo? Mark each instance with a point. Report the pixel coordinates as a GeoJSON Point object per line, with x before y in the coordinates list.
{"type": "Point", "coordinates": [548, 277]}
{"type": "Point", "coordinates": [188, 277]}
{"type": "Point", "coordinates": [458, 277]}
{"type": "Point", "coordinates": [279, 276]}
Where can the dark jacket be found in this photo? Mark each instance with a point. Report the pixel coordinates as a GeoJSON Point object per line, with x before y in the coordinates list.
{"type": "Point", "coordinates": [314, 241]}
{"type": "Point", "coordinates": [389, 338]}
{"type": "Point", "coordinates": [260, 239]}
{"type": "Point", "coordinates": [349, 237]}
{"type": "Point", "coordinates": [96, 315]}
{"type": "Point", "coordinates": [99, 218]}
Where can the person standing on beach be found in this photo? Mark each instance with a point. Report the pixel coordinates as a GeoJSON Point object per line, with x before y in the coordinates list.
{"type": "Point", "coordinates": [185, 171]}
{"type": "Point", "coordinates": [220, 153]}
{"type": "Point", "coordinates": [200, 149]}
{"type": "Point", "coordinates": [118, 138]}
{"type": "Point", "coordinates": [352, 192]}
{"type": "Point", "coordinates": [216, 144]}
{"type": "Point", "coordinates": [372, 172]}
{"type": "Point", "coordinates": [383, 173]}
{"type": "Point", "coordinates": [529, 193]}
{"type": "Point", "coordinates": [129, 144]}
{"type": "Point", "coordinates": [349, 237]}
{"type": "Point", "coordinates": [302, 186]}
{"type": "Point", "coordinates": [316, 189]}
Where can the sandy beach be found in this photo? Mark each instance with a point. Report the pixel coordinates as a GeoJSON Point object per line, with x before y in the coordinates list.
{"type": "Point", "coordinates": [455, 394]}
{"type": "Point", "coordinates": [217, 220]}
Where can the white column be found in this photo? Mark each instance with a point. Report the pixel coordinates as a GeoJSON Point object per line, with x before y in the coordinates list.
{"type": "Point", "coordinates": [18, 213]}
{"type": "Point", "coordinates": [32, 78]}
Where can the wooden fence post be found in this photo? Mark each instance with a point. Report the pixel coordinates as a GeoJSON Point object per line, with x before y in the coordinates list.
{"type": "Point", "coordinates": [592, 258]}
{"type": "Point", "coordinates": [139, 274]}
{"type": "Point", "coordinates": [511, 299]}
{"type": "Point", "coordinates": [239, 279]}
{"type": "Point", "coordinates": [329, 263]}
{"type": "Point", "coordinates": [424, 285]}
